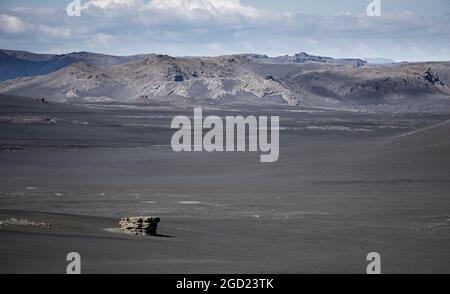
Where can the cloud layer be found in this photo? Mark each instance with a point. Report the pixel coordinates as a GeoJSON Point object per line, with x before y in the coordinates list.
{"type": "Point", "coordinates": [215, 27]}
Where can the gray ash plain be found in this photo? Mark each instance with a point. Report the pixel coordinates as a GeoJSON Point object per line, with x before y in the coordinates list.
{"type": "Point", "coordinates": [346, 184]}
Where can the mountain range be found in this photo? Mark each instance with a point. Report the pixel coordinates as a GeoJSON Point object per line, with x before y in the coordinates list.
{"type": "Point", "coordinates": [302, 79]}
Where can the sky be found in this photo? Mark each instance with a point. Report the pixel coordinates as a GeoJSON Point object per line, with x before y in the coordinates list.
{"type": "Point", "coordinates": [407, 30]}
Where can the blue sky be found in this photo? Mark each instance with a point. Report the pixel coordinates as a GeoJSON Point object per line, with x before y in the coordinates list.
{"type": "Point", "coordinates": [307, 6]}
{"type": "Point", "coordinates": [407, 29]}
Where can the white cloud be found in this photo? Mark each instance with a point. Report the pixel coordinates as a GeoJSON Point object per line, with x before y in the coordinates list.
{"type": "Point", "coordinates": [11, 24]}
{"type": "Point", "coordinates": [54, 32]}
{"type": "Point", "coordinates": [101, 40]}
{"type": "Point", "coordinates": [215, 8]}
{"type": "Point", "coordinates": [34, 10]}
{"type": "Point", "coordinates": [159, 11]}
{"type": "Point", "coordinates": [108, 4]}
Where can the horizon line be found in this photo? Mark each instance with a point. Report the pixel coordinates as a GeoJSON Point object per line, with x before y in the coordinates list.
{"type": "Point", "coordinates": [221, 55]}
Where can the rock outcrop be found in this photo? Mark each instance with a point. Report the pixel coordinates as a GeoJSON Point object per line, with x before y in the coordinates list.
{"type": "Point", "coordinates": [432, 77]}
{"type": "Point", "coordinates": [140, 226]}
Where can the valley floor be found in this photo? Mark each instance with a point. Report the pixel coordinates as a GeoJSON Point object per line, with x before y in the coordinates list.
{"type": "Point", "coordinates": [346, 184]}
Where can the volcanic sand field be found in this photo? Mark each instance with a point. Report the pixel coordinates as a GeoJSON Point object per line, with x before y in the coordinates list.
{"type": "Point", "coordinates": [346, 184]}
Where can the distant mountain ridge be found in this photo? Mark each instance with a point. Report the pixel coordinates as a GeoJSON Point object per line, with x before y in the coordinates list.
{"type": "Point", "coordinates": [303, 57]}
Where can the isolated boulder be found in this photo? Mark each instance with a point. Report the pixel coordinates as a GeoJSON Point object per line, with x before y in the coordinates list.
{"type": "Point", "coordinates": [140, 225]}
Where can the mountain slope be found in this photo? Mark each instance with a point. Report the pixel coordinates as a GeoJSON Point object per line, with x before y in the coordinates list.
{"type": "Point", "coordinates": [318, 84]}
{"type": "Point", "coordinates": [155, 76]}
{"type": "Point", "coordinates": [377, 85]}
{"type": "Point", "coordinates": [15, 64]}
